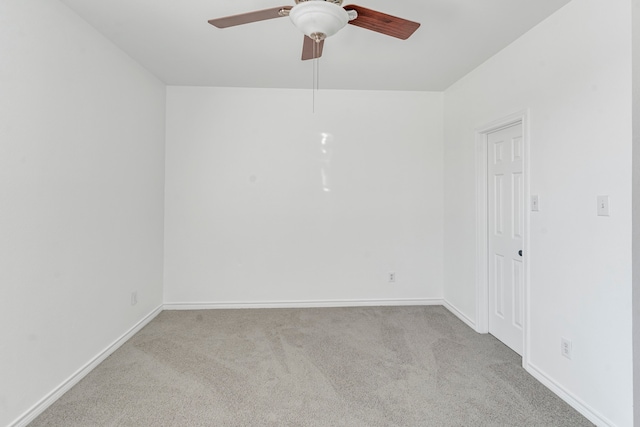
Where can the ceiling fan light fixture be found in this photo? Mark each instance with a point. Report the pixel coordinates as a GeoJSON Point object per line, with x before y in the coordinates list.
{"type": "Point", "coordinates": [318, 17]}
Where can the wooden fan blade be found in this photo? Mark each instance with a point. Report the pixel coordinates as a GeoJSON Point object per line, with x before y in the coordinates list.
{"type": "Point", "coordinates": [383, 23]}
{"type": "Point", "coordinates": [309, 47]}
{"type": "Point", "coordinates": [246, 18]}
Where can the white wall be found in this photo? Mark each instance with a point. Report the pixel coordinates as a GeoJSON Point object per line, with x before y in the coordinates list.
{"type": "Point", "coordinates": [81, 197]}
{"type": "Point", "coordinates": [259, 210]}
{"type": "Point", "coordinates": [573, 73]}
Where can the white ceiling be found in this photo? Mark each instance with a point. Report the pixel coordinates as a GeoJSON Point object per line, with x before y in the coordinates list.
{"type": "Point", "coordinates": [173, 40]}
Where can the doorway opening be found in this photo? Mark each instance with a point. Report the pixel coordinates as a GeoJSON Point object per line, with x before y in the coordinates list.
{"type": "Point", "coordinates": [502, 224]}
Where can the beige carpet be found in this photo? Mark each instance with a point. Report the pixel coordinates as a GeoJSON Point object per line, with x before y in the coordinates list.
{"type": "Point", "coordinates": [374, 366]}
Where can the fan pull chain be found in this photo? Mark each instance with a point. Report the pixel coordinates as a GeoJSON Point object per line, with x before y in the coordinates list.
{"type": "Point", "coordinates": [313, 84]}
{"type": "Point", "coordinates": [316, 73]}
{"type": "Point", "coordinates": [317, 63]}
{"type": "Point", "coordinates": [318, 70]}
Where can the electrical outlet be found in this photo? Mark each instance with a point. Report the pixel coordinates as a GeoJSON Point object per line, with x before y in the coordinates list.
{"type": "Point", "coordinates": [392, 277]}
{"type": "Point", "coordinates": [134, 298]}
{"type": "Point", "coordinates": [565, 347]}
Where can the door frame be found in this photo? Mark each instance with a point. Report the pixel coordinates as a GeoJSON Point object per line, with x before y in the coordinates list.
{"type": "Point", "coordinates": [482, 228]}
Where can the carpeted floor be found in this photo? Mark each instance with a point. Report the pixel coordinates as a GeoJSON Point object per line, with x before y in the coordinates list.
{"type": "Point", "coordinates": [373, 366]}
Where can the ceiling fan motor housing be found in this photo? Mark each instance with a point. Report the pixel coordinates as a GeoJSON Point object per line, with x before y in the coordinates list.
{"type": "Point", "coordinates": [319, 19]}
{"type": "Point", "coordinates": [338, 2]}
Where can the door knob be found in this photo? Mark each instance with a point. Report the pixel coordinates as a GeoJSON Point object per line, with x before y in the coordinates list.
{"type": "Point", "coordinates": [520, 252]}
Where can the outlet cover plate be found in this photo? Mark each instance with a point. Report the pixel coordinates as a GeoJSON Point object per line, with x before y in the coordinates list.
{"type": "Point", "coordinates": [565, 348]}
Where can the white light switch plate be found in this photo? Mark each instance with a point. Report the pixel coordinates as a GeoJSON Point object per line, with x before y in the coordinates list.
{"type": "Point", "coordinates": [535, 203]}
{"type": "Point", "coordinates": [603, 205]}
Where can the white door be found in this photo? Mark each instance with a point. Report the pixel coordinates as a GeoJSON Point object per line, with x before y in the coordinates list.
{"type": "Point", "coordinates": [506, 229]}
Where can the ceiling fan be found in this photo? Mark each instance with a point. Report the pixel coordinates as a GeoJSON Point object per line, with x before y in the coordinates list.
{"type": "Point", "coordinates": [319, 19]}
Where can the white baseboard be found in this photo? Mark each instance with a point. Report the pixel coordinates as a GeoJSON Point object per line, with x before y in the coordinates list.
{"type": "Point", "coordinates": [300, 304]}
{"type": "Point", "coordinates": [460, 315]}
{"type": "Point", "coordinates": [576, 403]}
{"type": "Point", "coordinates": [48, 400]}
